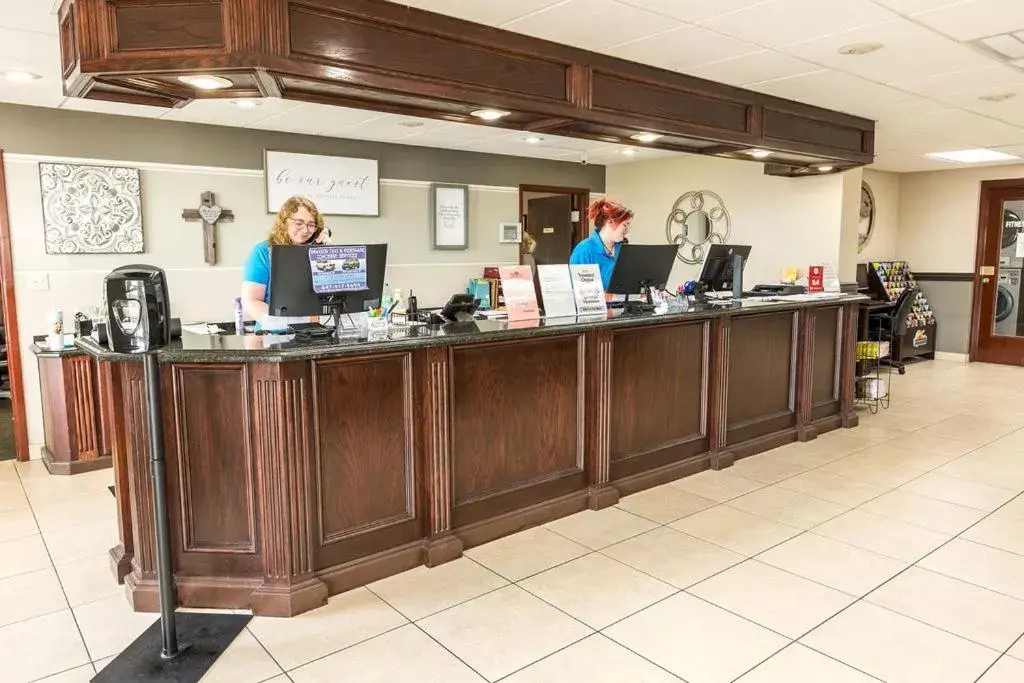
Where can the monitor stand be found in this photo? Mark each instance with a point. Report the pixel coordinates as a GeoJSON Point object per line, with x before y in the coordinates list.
{"type": "Point", "coordinates": [647, 288]}
{"type": "Point", "coordinates": [337, 307]}
{"type": "Point", "coordinates": [737, 277]}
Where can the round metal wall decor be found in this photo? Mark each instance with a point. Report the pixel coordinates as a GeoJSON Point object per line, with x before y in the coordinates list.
{"type": "Point", "coordinates": [867, 216]}
{"type": "Point", "coordinates": [698, 218]}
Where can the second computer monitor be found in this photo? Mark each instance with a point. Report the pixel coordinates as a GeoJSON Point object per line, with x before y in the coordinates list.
{"type": "Point", "coordinates": [717, 272]}
{"type": "Point", "coordinates": [291, 282]}
{"type": "Point", "coordinates": [642, 265]}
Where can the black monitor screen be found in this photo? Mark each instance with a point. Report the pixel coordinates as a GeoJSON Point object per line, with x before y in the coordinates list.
{"type": "Point", "coordinates": [717, 271]}
{"type": "Point", "coordinates": [641, 265]}
{"type": "Point", "coordinates": [291, 280]}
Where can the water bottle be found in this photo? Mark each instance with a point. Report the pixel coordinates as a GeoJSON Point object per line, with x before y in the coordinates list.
{"type": "Point", "coordinates": [239, 317]}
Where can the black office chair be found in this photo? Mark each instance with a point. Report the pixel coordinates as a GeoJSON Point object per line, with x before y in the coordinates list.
{"type": "Point", "coordinates": [888, 325]}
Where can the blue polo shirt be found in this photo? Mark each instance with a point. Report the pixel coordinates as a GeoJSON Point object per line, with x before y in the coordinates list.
{"type": "Point", "coordinates": [592, 251]}
{"type": "Point", "coordinates": [257, 268]}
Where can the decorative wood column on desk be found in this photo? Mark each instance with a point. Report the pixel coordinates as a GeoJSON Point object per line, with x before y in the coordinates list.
{"type": "Point", "coordinates": [76, 436]}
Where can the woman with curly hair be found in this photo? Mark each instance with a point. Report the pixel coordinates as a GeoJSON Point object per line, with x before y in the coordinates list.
{"type": "Point", "coordinates": [612, 222]}
{"type": "Point", "coordinates": [298, 222]}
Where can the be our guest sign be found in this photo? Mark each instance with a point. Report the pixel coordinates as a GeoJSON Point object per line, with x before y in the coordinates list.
{"type": "Point", "coordinates": [339, 186]}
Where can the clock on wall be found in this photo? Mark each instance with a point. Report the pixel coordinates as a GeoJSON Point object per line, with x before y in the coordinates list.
{"type": "Point", "coordinates": [867, 216]}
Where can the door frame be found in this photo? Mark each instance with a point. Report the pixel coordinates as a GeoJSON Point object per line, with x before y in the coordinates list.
{"type": "Point", "coordinates": [581, 197]}
{"type": "Point", "coordinates": [11, 324]}
{"type": "Point", "coordinates": [988, 188]}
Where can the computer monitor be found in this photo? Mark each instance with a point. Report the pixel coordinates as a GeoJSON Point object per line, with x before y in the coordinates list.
{"type": "Point", "coordinates": [717, 272]}
{"type": "Point", "coordinates": [642, 268]}
{"type": "Point", "coordinates": [291, 283]}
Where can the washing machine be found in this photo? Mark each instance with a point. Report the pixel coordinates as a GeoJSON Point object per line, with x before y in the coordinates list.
{"type": "Point", "coordinates": [1008, 296]}
{"type": "Point", "coordinates": [1013, 225]}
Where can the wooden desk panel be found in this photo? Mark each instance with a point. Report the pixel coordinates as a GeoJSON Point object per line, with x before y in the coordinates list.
{"type": "Point", "coordinates": [761, 383]}
{"type": "Point", "coordinates": [74, 438]}
{"type": "Point", "coordinates": [827, 356]}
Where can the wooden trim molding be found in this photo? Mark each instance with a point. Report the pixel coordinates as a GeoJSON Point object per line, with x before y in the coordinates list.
{"type": "Point", "coordinates": [12, 333]}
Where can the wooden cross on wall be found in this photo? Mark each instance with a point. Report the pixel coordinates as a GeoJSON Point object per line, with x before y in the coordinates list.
{"type": "Point", "coordinates": [210, 214]}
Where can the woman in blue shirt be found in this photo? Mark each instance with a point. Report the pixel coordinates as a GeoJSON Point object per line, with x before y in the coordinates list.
{"type": "Point", "coordinates": [298, 222]}
{"type": "Point", "coordinates": [612, 222]}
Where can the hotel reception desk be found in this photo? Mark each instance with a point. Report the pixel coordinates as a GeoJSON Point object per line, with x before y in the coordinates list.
{"type": "Point", "coordinates": [299, 471]}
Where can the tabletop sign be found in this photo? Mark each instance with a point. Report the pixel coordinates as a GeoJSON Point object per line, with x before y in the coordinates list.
{"type": "Point", "coordinates": [520, 296]}
{"type": "Point", "coordinates": [816, 279]}
{"type": "Point", "coordinates": [588, 289]}
{"type": "Point", "coordinates": [339, 186]}
{"type": "Point", "coordinates": [337, 270]}
{"type": "Point", "coordinates": [556, 291]}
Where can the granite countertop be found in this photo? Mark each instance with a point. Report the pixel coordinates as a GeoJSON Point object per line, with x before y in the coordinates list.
{"type": "Point", "coordinates": [195, 348]}
{"type": "Point", "coordinates": [63, 353]}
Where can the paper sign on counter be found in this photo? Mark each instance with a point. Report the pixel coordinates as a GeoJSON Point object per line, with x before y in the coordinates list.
{"type": "Point", "coordinates": [520, 296]}
{"type": "Point", "coordinates": [556, 291]}
{"type": "Point", "coordinates": [588, 290]}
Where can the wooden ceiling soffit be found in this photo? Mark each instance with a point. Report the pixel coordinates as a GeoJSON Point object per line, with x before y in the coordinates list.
{"type": "Point", "coordinates": [389, 57]}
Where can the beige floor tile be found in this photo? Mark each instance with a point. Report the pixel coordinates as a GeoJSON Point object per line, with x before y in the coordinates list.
{"type": "Point", "coordinates": [244, 660]}
{"type": "Point", "coordinates": [841, 566]}
{"type": "Point", "coordinates": [598, 529]}
{"type": "Point", "coordinates": [673, 557]}
{"type": "Point", "coordinates": [885, 476]}
{"type": "Point", "coordinates": [768, 468]}
{"type": "Point", "coordinates": [695, 640]}
{"type": "Point", "coordinates": [1017, 651]}
{"type": "Point", "coordinates": [503, 631]}
{"type": "Point", "coordinates": [717, 485]}
{"type": "Point", "coordinates": [898, 649]}
{"type": "Point", "coordinates": [882, 535]}
{"type": "Point", "coordinates": [960, 491]}
{"type": "Point", "coordinates": [664, 504]}
{"type": "Point", "coordinates": [12, 496]}
{"type": "Point", "coordinates": [736, 530]}
{"type": "Point", "coordinates": [983, 616]}
{"type": "Point", "coordinates": [419, 660]}
{"type": "Point", "coordinates": [78, 542]}
{"type": "Point", "coordinates": [80, 674]}
{"type": "Point", "coordinates": [832, 487]}
{"type": "Point", "coordinates": [423, 591]}
{"type": "Point", "coordinates": [989, 468]}
{"type": "Point", "coordinates": [109, 625]}
{"type": "Point", "coordinates": [1014, 509]}
{"type": "Point", "coordinates": [788, 507]}
{"type": "Point", "coordinates": [41, 647]}
{"type": "Point", "coordinates": [8, 472]}
{"type": "Point", "coordinates": [32, 469]}
{"type": "Point", "coordinates": [17, 523]}
{"type": "Point", "coordinates": [981, 565]}
{"type": "Point", "coordinates": [937, 515]}
{"type": "Point", "coordinates": [30, 595]}
{"type": "Point", "coordinates": [1005, 532]}
{"type": "Point", "coordinates": [345, 620]}
{"type": "Point", "coordinates": [526, 553]}
{"type": "Point", "coordinates": [925, 440]}
{"type": "Point", "coordinates": [88, 580]}
{"type": "Point", "coordinates": [596, 659]}
{"type": "Point", "coordinates": [1006, 670]}
{"type": "Point", "coordinates": [101, 663]}
{"type": "Point", "coordinates": [970, 429]}
{"type": "Point", "coordinates": [877, 433]}
{"type": "Point", "coordinates": [799, 664]}
{"type": "Point", "coordinates": [773, 598]}
{"type": "Point", "coordinates": [597, 590]}
{"type": "Point", "coordinates": [75, 512]}
{"type": "Point", "coordinates": [43, 490]}
{"type": "Point", "coordinates": [21, 555]}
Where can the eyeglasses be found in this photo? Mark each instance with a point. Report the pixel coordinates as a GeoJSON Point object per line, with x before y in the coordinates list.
{"type": "Point", "coordinates": [300, 224]}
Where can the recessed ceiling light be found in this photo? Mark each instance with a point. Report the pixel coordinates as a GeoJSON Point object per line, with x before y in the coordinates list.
{"type": "Point", "coordinates": [825, 169]}
{"type": "Point", "coordinates": [998, 97]}
{"type": "Point", "coordinates": [759, 153]}
{"type": "Point", "coordinates": [972, 156]}
{"type": "Point", "coordinates": [629, 152]}
{"type": "Point", "coordinates": [490, 114]}
{"type": "Point", "coordinates": [857, 49]}
{"type": "Point", "coordinates": [247, 104]}
{"type": "Point", "coordinates": [411, 124]}
{"type": "Point", "coordinates": [20, 76]}
{"type": "Point", "coordinates": [533, 139]}
{"type": "Point", "coordinates": [645, 137]}
{"type": "Point", "coordinates": [205, 82]}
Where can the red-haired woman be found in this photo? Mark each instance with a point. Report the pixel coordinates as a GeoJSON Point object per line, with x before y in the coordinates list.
{"type": "Point", "coordinates": [611, 226]}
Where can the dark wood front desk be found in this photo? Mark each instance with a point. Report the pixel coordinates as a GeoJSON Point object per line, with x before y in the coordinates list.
{"type": "Point", "coordinates": [301, 471]}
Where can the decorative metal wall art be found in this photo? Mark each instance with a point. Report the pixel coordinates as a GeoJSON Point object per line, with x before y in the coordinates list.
{"type": "Point", "coordinates": [91, 209]}
{"type": "Point", "coordinates": [867, 216]}
{"type": "Point", "coordinates": [698, 218]}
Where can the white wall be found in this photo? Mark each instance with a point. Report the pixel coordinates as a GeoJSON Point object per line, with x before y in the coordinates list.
{"type": "Point", "coordinates": [202, 292]}
{"type": "Point", "coordinates": [789, 221]}
{"type": "Point", "coordinates": [883, 244]}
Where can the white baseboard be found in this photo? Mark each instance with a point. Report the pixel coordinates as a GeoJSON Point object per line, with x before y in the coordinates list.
{"type": "Point", "coordinates": [951, 357]}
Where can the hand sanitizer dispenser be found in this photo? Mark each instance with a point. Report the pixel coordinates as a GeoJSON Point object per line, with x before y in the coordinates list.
{"type": "Point", "coordinates": [138, 308]}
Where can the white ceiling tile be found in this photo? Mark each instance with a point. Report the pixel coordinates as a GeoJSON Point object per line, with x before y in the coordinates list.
{"type": "Point", "coordinates": [902, 139]}
{"type": "Point", "coordinates": [692, 10]}
{"type": "Point", "coordinates": [591, 24]}
{"type": "Point", "coordinates": [314, 119]}
{"type": "Point", "coordinates": [1015, 150]}
{"type": "Point", "coordinates": [957, 125]}
{"type": "Point", "coordinates": [1009, 111]}
{"type": "Point", "coordinates": [39, 16]}
{"type": "Point", "coordinates": [897, 162]}
{"type": "Point", "coordinates": [221, 112]}
{"type": "Point", "coordinates": [386, 128]}
{"type": "Point", "coordinates": [837, 90]}
{"type": "Point", "coordinates": [910, 53]}
{"type": "Point", "coordinates": [117, 108]}
{"type": "Point", "coordinates": [35, 52]}
{"type": "Point", "coordinates": [968, 84]}
{"type": "Point", "coordinates": [753, 68]}
{"type": "Point", "coordinates": [975, 18]}
{"type": "Point", "coordinates": [493, 12]}
{"type": "Point", "coordinates": [913, 6]}
{"type": "Point", "coordinates": [782, 22]}
{"type": "Point", "coordinates": [447, 134]}
{"type": "Point", "coordinates": [681, 48]}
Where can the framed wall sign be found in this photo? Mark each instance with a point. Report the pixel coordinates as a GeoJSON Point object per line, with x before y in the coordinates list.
{"type": "Point", "coordinates": [91, 209]}
{"type": "Point", "coordinates": [339, 186]}
{"type": "Point", "coordinates": [449, 216]}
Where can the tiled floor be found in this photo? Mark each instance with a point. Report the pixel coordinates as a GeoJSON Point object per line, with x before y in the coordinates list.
{"type": "Point", "coordinates": [892, 552]}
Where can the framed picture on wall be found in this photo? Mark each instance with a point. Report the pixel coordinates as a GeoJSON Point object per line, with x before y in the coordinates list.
{"type": "Point", "coordinates": [339, 186]}
{"type": "Point", "coordinates": [91, 209]}
{"type": "Point", "coordinates": [449, 216]}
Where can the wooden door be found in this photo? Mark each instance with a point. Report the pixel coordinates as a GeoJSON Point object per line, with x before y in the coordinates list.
{"type": "Point", "coordinates": [997, 334]}
{"type": "Point", "coordinates": [549, 222]}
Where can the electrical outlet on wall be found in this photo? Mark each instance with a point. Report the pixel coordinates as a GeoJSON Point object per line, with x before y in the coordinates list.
{"type": "Point", "coordinates": [39, 282]}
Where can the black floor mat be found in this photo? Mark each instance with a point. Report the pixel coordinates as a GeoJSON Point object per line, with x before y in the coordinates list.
{"type": "Point", "coordinates": [6, 431]}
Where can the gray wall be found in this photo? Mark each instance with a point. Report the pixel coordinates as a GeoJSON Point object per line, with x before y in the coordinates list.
{"type": "Point", "coordinates": [951, 302]}
{"type": "Point", "coordinates": [59, 132]}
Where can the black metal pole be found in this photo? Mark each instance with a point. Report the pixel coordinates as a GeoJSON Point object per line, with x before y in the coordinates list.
{"type": "Point", "coordinates": [158, 474]}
